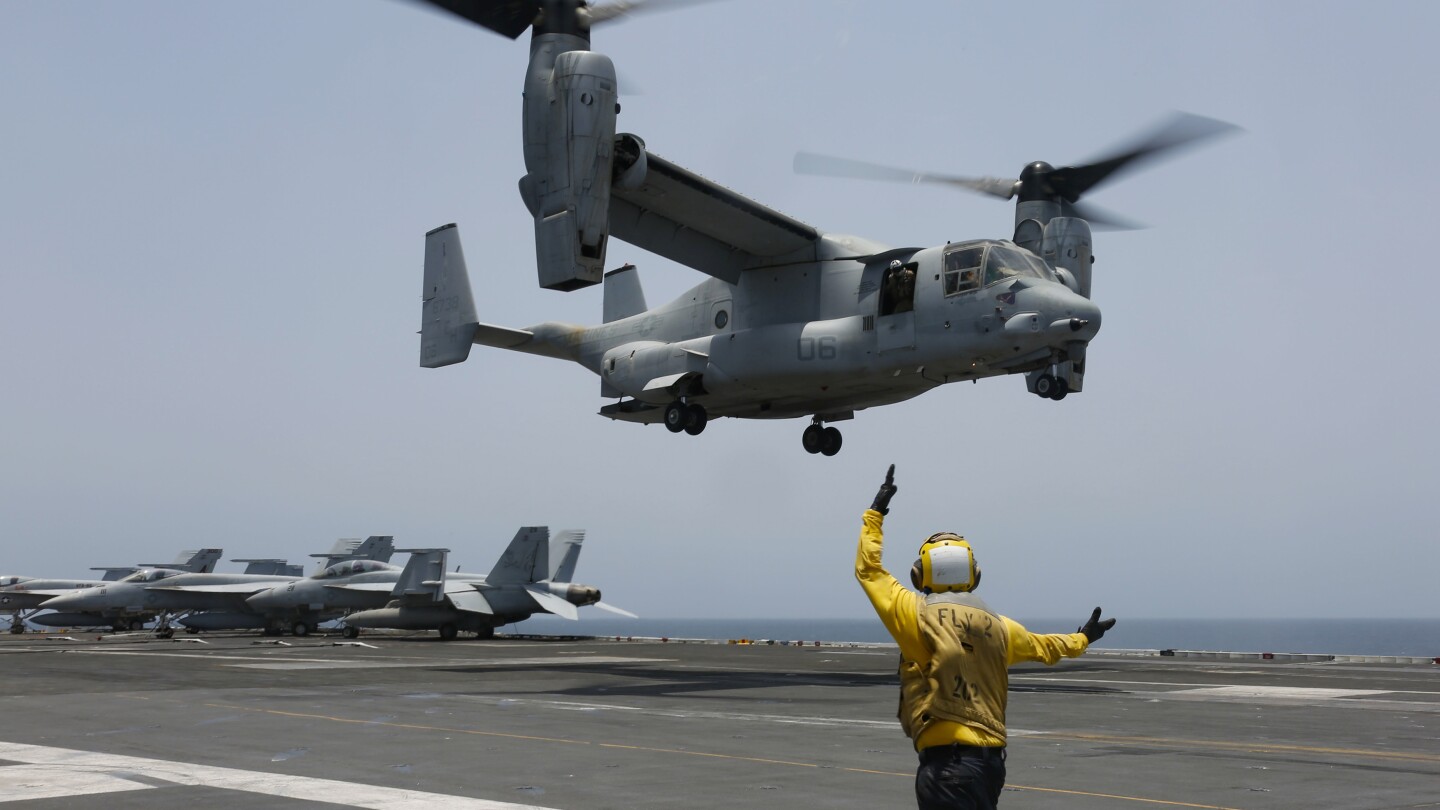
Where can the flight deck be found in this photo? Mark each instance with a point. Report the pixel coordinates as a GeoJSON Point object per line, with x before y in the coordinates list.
{"type": "Point", "coordinates": [392, 721]}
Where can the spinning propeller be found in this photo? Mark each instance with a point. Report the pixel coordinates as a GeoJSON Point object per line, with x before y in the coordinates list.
{"type": "Point", "coordinates": [512, 18]}
{"type": "Point", "coordinates": [1039, 180]}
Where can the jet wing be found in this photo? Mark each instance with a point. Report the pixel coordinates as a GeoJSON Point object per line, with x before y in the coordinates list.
{"type": "Point", "coordinates": [701, 224]}
{"type": "Point", "coordinates": [470, 600]}
{"type": "Point", "coordinates": [553, 603]}
{"type": "Point", "coordinates": [234, 587]}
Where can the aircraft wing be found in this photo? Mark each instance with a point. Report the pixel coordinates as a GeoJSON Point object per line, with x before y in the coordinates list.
{"type": "Point", "coordinates": [469, 600]}
{"type": "Point", "coordinates": [701, 224]}
{"type": "Point", "coordinates": [233, 587]}
{"type": "Point", "coordinates": [553, 603]}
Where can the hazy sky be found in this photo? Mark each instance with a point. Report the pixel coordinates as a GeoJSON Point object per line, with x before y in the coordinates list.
{"type": "Point", "coordinates": [211, 236]}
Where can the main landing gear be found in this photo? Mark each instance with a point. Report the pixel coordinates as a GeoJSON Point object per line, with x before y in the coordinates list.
{"type": "Point", "coordinates": [1051, 387]}
{"type": "Point", "coordinates": [820, 439]}
{"type": "Point", "coordinates": [689, 417]}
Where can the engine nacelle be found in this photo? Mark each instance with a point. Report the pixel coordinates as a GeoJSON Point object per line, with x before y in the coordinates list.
{"type": "Point", "coordinates": [1067, 245]}
{"type": "Point", "coordinates": [577, 595]}
{"type": "Point", "coordinates": [568, 185]}
{"type": "Point", "coordinates": [651, 371]}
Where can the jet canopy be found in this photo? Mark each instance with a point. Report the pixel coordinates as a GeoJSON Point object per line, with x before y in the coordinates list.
{"type": "Point", "coordinates": [151, 575]}
{"type": "Point", "coordinates": [350, 568]}
{"type": "Point", "coordinates": [972, 265]}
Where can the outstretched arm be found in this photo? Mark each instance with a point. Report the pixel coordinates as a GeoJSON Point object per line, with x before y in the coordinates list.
{"type": "Point", "coordinates": [893, 602]}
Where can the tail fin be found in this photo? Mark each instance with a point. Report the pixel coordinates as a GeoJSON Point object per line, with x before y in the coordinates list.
{"type": "Point", "coordinates": [623, 295]}
{"type": "Point", "coordinates": [273, 568]}
{"type": "Point", "coordinates": [447, 314]}
{"type": "Point", "coordinates": [526, 559]}
{"type": "Point", "coordinates": [378, 547]}
{"type": "Point", "coordinates": [565, 553]}
{"type": "Point", "coordinates": [196, 562]}
{"type": "Point", "coordinates": [375, 547]}
{"type": "Point", "coordinates": [423, 578]}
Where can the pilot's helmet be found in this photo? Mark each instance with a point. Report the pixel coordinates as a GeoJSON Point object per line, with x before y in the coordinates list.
{"type": "Point", "coordinates": [946, 564]}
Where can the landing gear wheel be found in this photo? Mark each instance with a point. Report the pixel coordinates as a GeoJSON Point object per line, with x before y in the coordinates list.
{"type": "Point", "coordinates": [487, 632]}
{"type": "Point", "coordinates": [696, 419]}
{"type": "Point", "coordinates": [813, 439]}
{"type": "Point", "coordinates": [1061, 389]}
{"type": "Point", "coordinates": [1045, 386]}
{"type": "Point", "coordinates": [300, 629]}
{"type": "Point", "coordinates": [136, 625]}
{"type": "Point", "coordinates": [448, 632]}
{"type": "Point", "coordinates": [675, 416]}
{"type": "Point", "coordinates": [350, 632]}
{"type": "Point", "coordinates": [830, 441]}
{"type": "Point", "coordinates": [17, 626]}
{"type": "Point", "coordinates": [165, 633]}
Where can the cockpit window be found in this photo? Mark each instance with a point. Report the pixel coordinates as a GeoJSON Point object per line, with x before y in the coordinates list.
{"type": "Point", "coordinates": [150, 575]}
{"type": "Point", "coordinates": [348, 568]}
{"type": "Point", "coordinates": [962, 269]}
{"type": "Point", "coordinates": [6, 582]}
{"type": "Point", "coordinates": [1003, 263]}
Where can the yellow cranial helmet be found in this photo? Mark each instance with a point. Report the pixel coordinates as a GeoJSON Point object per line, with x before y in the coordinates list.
{"type": "Point", "coordinates": [946, 564]}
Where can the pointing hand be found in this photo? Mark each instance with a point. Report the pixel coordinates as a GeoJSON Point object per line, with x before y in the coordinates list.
{"type": "Point", "coordinates": [887, 491]}
{"type": "Point", "coordinates": [1095, 628]}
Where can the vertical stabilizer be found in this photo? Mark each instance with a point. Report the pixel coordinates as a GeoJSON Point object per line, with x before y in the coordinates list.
{"type": "Point", "coordinates": [447, 311]}
{"type": "Point", "coordinates": [196, 562]}
{"type": "Point", "coordinates": [526, 559]}
{"type": "Point", "coordinates": [271, 568]}
{"type": "Point", "coordinates": [378, 547]}
{"type": "Point", "coordinates": [623, 294]}
{"type": "Point", "coordinates": [565, 552]}
{"type": "Point", "coordinates": [424, 576]}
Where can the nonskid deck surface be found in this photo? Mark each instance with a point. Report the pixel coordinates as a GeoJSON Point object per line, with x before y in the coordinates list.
{"type": "Point", "coordinates": [402, 722]}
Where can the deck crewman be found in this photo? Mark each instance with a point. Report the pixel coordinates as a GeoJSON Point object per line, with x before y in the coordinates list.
{"type": "Point", "coordinates": [954, 656]}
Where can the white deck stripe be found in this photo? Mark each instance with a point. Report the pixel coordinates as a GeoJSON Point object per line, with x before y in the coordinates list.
{"type": "Point", "coordinates": [23, 783]}
{"type": "Point", "coordinates": [64, 767]}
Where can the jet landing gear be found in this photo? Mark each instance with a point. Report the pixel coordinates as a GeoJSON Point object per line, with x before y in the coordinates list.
{"type": "Point", "coordinates": [820, 439]}
{"type": "Point", "coordinates": [1051, 387]}
{"type": "Point", "coordinates": [689, 417]}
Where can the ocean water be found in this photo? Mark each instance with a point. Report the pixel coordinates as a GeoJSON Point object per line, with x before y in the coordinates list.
{"type": "Point", "coordinates": [1416, 637]}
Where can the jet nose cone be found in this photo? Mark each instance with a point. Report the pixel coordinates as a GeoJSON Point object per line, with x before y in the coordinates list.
{"type": "Point", "coordinates": [263, 600]}
{"type": "Point", "coordinates": [69, 601]}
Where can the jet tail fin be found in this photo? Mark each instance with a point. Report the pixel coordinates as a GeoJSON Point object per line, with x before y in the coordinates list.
{"type": "Point", "coordinates": [200, 561]}
{"type": "Point", "coordinates": [423, 578]}
{"type": "Point", "coordinates": [447, 314]}
{"type": "Point", "coordinates": [623, 294]}
{"type": "Point", "coordinates": [378, 547]}
{"type": "Point", "coordinates": [272, 568]}
{"type": "Point", "coordinates": [565, 553]}
{"type": "Point", "coordinates": [526, 559]}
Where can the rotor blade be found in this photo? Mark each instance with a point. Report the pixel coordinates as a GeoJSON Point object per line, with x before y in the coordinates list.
{"type": "Point", "coordinates": [613, 609]}
{"type": "Point", "coordinates": [509, 18]}
{"type": "Point", "coordinates": [621, 8]}
{"type": "Point", "coordinates": [826, 165]}
{"type": "Point", "coordinates": [1099, 218]}
{"type": "Point", "coordinates": [1182, 129]}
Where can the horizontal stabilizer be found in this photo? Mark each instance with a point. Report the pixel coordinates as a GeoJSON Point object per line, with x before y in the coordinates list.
{"type": "Point", "coordinates": [551, 603]}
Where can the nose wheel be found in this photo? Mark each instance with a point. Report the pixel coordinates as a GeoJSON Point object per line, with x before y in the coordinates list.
{"type": "Point", "coordinates": [820, 439]}
{"type": "Point", "coordinates": [689, 417]}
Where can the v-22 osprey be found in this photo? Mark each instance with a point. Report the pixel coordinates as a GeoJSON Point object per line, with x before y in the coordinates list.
{"type": "Point", "coordinates": [793, 322]}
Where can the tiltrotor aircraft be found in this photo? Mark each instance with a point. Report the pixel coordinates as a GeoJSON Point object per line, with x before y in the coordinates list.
{"type": "Point", "coordinates": [794, 321]}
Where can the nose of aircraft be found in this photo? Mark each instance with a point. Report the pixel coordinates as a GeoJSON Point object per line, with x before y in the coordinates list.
{"type": "Point", "coordinates": [71, 601]}
{"type": "Point", "coordinates": [264, 600]}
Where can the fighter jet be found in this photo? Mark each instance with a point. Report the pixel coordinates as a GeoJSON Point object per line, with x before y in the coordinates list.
{"type": "Point", "coordinates": [19, 594]}
{"type": "Point", "coordinates": [522, 583]}
{"type": "Point", "coordinates": [217, 601]}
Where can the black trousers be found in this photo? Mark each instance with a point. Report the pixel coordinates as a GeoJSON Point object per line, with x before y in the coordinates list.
{"type": "Point", "coordinates": [960, 777]}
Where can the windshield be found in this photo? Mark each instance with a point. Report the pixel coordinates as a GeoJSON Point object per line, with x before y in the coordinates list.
{"type": "Point", "coordinates": [150, 575]}
{"type": "Point", "coordinates": [1003, 262]}
{"type": "Point", "coordinates": [350, 568]}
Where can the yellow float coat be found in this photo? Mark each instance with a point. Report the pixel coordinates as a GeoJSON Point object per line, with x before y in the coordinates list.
{"type": "Point", "coordinates": [935, 707]}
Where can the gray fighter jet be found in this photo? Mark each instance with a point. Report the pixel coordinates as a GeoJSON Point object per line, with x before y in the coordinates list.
{"type": "Point", "coordinates": [522, 583]}
{"type": "Point", "coordinates": [20, 594]}
{"type": "Point", "coordinates": [211, 601]}
{"type": "Point", "coordinates": [795, 322]}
